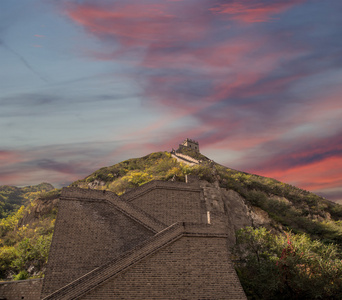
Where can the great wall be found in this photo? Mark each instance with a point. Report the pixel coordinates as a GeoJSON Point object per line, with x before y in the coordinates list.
{"type": "Point", "coordinates": [162, 240]}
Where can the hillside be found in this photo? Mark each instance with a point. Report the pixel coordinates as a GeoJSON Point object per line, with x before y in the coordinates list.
{"type": "Point", "coordinates": [287, 206]}
{"type": "Point", "coordinates": [12, 197]}
{"type": "Point", "coordinates": [26, 228]}
{"type": "Point", "coordinates": [265, 203]}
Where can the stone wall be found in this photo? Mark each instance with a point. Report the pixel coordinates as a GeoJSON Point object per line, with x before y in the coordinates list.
{"type": "Point", "coordinates": [184, 159]}
{"type": "Point", "coordinates": [22, 289]}
{"type": "Point", "coordinates": [137, 246]}
{"type": "Point", "coordinates": [87, 235]}
{"type": "Point", "coordinates": [171, 205]}
{"type": "Point", "coordinates": [189, 268]}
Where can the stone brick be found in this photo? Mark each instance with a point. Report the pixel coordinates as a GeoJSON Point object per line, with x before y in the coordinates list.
{"type": "Point", "coordinates": [87, 235]}
{"type": "Point", "coordinates": [189, 268]}
{"type": "Point", "coordinates": [22, 289]}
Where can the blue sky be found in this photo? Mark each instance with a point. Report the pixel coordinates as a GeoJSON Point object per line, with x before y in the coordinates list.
{"type": "Point", "coordinates": [86, 84]}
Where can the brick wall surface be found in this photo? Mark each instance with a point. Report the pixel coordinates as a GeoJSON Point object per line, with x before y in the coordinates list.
{"type": "Point", "coordinates": [110, 247]}
{"type": "Point", "coordinates": [22, 289]}
{"type": "Point", "coordinates": [87, 235]}
{"type": "Point", "coordinates": [120, 203]}
{"type": "Point", "coordinates": [189, 268]}
{"type": "Point", "coordinates": [175, 185]}
{"type": "Point", "coordinates": [171, 205]}
{"type": "Point", "coordinates": [98, 276]}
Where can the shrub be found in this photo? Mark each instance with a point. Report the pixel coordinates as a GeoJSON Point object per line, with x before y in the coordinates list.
{"type": "Point", "coordinates": [290, 266]}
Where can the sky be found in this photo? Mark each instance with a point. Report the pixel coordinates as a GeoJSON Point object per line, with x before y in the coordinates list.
{"type": "Point", "coordinates": [89, 83]}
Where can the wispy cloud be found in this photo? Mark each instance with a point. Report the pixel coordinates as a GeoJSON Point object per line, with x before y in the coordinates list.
{"type": "Point", "coordinates": [23, 60]}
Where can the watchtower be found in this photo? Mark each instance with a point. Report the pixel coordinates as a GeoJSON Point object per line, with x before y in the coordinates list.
{"type": "Point", "coordinates": [190, 144]}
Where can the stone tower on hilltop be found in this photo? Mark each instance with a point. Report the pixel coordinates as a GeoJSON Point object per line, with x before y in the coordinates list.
{"type": "Point", "coordinates": [190, 144]}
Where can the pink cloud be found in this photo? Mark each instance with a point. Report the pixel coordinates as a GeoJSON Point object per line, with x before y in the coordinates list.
{"type": "Point", "coordinates": [251, 11]}
{"type": "Point", "coordinates": [9, 179]}
{"type": "Point", "coordinates": [7, 157]}
{"type": "Point", "coordinates": [230, 64]}
{"type": "Point", "coordinates": [317, 176]}
{"type": "Point", "coordinates": [134, 23]}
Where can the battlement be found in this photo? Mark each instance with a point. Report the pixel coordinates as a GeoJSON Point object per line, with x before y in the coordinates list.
{"type": "Point", "coordinates": [190, 144]}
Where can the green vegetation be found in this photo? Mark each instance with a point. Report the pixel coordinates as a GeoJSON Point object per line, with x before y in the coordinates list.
{"type": "Point", "coordinates": [135, 172]}
{"type": "Point", "coordinates": [290, 207]}
{"type": "Point", "coordinates": [11, 197]}
{"type": "Point", "coordinates": [287, 266]}
{"type": "Point", "coordinates": [24, 249]}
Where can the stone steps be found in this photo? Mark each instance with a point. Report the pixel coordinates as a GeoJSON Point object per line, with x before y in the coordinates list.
{"type": "Point", "coordinates": [185, 158]}
{"type": "Point", "coordinates": [98, 276]}
{"type": "Point", "coordinates": [122, 205]}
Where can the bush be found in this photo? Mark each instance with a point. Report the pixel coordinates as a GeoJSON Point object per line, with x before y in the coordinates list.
{"type": "Point", "coordinates": [290, 266]}
{"type": "Point", "coordinates": [22, 275]}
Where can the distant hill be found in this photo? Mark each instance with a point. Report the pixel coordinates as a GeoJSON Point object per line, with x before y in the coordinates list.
{"type": "Point", "coordinates": [12, 197]}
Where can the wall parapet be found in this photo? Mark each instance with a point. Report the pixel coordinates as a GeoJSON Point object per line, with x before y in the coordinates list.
{"type": "Point", "coordinates": [158, 184]}
{"type": "Point", "coordinates": [76, 192]}
{"type": "Point", "coordinates": [21, 289]}
{"type": "Point", "coordinates": [125, 207]}
{"type": "Point", "coordinates": [185, 158]}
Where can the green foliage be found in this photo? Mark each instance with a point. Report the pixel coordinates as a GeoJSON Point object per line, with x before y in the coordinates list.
{"type": "Point", "coordinates": [11, 197]}
{"type": "Point", "coordinates": [24, 249]}
{"type": "Point", "coordinates": [51, 194]}
{"type": "Point", "coordinates": [10, 223]}
{"type": "Point", "coordinates": [22, 275]}
{"type": "Point", "coordinates": [7, 256]}
{"type": "Point", "coordinates": [32, 253]}
{"type": "Point", "coordinates": [25, 259]}
{"type": "Point", "coordinates": [290, 266]}
{"type": "Point", "coordinates": [137, 171]}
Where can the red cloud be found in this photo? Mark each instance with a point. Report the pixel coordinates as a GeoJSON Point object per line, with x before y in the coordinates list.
{"type": "Point", "coordinates": [251, 11]}
{"type": "Point", "coordinates": [134, 23]}
{"type": "Point", "coordinates": [316, 176]}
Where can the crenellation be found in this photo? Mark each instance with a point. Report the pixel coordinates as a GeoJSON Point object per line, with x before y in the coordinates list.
{"type": "Point", "coordinates": [190, 144]}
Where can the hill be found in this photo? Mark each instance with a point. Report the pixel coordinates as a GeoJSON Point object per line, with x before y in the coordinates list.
{"type": "Point", "coordinates": [275, 211]}
{"type": "Point", "coordinates": [12, 197]}
{"type": "Point", "coordinates": [25, 238]}
{"type": "Point", "coordinates": [287, 206]}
